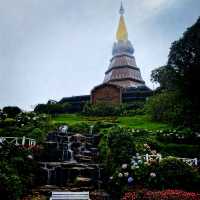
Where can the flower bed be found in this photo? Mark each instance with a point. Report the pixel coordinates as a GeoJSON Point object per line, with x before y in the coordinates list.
{"type": "Point", "coordinates": [162, 195]}
{"type": "Point", "coordinates": [129, 196]}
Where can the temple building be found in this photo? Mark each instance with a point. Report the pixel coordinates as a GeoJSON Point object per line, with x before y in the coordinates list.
{"type": "Point", "coordinates": [123, 82]}
{"type": "Point", "coordinates": [122, 75]}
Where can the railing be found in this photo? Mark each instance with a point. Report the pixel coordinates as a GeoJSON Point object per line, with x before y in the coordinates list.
{"type": "Point", "coordinates": [157, 157]}
{"type": "Point", "coordinates": [190, 161]}
{"type": "Point", "coordinates": [19, 141]}
{"type": "Point", "coordinates": [152, 157]}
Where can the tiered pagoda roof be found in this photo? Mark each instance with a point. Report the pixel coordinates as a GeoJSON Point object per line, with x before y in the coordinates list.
{"type": "Point", "coordinates": [123, 70]}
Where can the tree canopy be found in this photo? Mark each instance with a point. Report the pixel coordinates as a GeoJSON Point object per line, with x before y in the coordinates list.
{"type": "Point", "coordinates": [181, 73]}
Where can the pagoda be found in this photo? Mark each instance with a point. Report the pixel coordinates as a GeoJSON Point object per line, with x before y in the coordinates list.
{"type": "Point", "coordinates": [123, 82]}
{"type": "Point", "coordinates": [123, 70]}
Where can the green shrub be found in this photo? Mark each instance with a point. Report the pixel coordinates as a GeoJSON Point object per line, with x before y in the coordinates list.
{"type": "Point", "coordinates": [121, 145]}
{"type": "Point", "coordinates": [102, 125]}
{"type": "Point", "coordinates": [173, 174]}
{"type": "Point", "coordinates": [50, 108]}
{"type": "Point", "coordinates": [8, 122]}
{"type": "Point", "coordinates": [165, 107]}
{"type": "Point", "coordinates": [178, 136]}
{"type": "Point", "coordinates": [81, 127]}
{"type": "Point", "coordinates": [180, 150]}
{"type": "Point", "coordinates": [38, 134]}
{"type": "Point", "coordinates": [11, 111]}
{"type": "Point", "coordinates": [17, 170]}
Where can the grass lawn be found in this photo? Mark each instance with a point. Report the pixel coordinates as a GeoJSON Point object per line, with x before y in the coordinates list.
{"type": "Point", "coordinates": [139, 121]}
{"type": "Point", "coordinates": [142, 121]}
{"type": "Point", "coordinates": [68, 119]}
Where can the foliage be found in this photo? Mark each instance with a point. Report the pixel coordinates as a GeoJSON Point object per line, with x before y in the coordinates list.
{"type": "Point", "coordinates": [27, 124]}
{"type": "Point", "coordinates": [80, 128]}
{"type": "Point", "coordinates": [179, 136]}
{"type": "Point", "coordinates": [16, 171]}
{"type": "Point", "coordinates": [49, 108]}
{"type": "Point", "coordinates": [182, 75]}
{"type": "Point", "coordinates": [11, 111]}
{"type": "Point", "coordinates": [102, 109]}
{"type": "Point", "coordinates": [164, 107]}
{"type": "Point", "coordinates": [116, 147]}
{"type": "Point", "coordinates": [121, 145]}
{"type": "Point", "coordinates": [163, 76]}
{"type": "Point", "coordinates": [58, 108]}
{"type": "Point", "coordinates": [180, 150]}
{"type": "Point", "coordinates": [173, 173]}
{"type": "Point", "coordinates": [7, 122]}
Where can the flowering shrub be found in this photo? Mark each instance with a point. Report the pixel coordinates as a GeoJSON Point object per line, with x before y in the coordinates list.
{"type": "Point", "coordinates": [170, 195]}
{"type": "Point", "coordinates": [173, 173]}
{"type": "Point", "coordinates": [129, 196]}
{"type": "Point", "coordinates": [162, 195]}
{"type": "Point", "coordinates": [179, 136]}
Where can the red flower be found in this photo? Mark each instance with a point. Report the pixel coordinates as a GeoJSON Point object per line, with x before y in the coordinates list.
{"type": "Point", "coordinates": [170, 195]}
{"type": "Point", "coordinates": [163, 195]}
{"type": "Point", "coordinates": [129, 196]}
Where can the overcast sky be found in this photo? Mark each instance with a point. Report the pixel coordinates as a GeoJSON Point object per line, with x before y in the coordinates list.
{"type": "Point", "coordinates": [51, 49]}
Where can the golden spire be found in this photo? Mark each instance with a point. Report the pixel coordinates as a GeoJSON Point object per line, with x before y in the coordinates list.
{"type": "Point", "coordinates": [122, 34]}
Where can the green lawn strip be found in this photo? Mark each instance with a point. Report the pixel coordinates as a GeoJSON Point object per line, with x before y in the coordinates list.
{"type": "Point", "coordinates": [142, 122]}
{"type": "Point", "coordinates": [139, 121]}
{"type": "Point", "coordinates": [76, 118]}
{"type": "Point", "coordinates": [68, 119]}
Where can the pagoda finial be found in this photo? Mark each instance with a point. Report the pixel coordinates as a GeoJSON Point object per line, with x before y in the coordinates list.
{"type": "Point", "coordinates": [121, 11]}
{"type": "Point", "coordinates": [122, 34]}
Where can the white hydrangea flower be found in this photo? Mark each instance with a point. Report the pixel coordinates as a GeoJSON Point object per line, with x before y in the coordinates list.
{"type": "Point", "coordinates": [132, 167]}
{"type": "Point", "coordinates": [124, 166]}
{"type": "Point", "coordinates": [152, 175]}
{"type": "Point", "coordinates": [126, 174]}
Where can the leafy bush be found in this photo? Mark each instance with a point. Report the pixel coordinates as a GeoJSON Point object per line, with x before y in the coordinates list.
{"type": "Point", "coordinates": [27, 124]}
{"type": "Point", "coordinates": [12, 111]}
{"type": "Point", "coordinates": [116, 147]}
{"type": "Point", "coordinates": [58, 108]}
{"type": "Point", "coordinates": [38, 134]}
{"type": "Point", "coordinates": [179, 136]}
{"type": "Point", "coordinates": [49, 108]}
{"type": "Point", "coordinates": [180, 150]}
{"type": "Point", "coordinates": [8, 122]}
{"type": "Point", "coordinates": [17, 170]}
{"type": "Point", "coordinates": [80, 127]}
{"type": "Point", "coordinates": [164, 107]}
{"type": "Point", "coordinates": [173, 173]}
